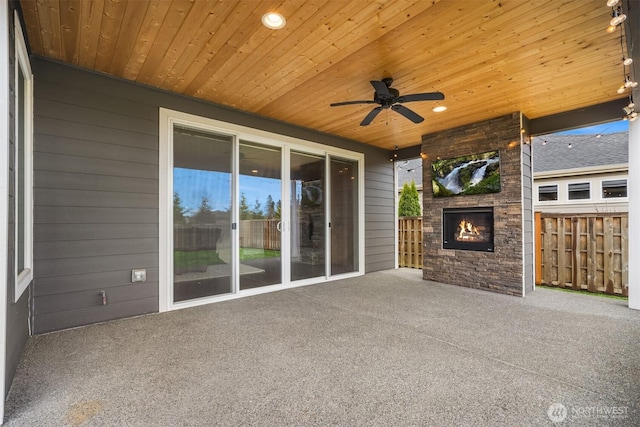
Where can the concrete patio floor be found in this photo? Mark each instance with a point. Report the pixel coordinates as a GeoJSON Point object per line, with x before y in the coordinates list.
{"type": "Point", "coordinates": [385, 349]}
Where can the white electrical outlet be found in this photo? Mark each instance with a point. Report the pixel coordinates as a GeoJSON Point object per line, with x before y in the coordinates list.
{"type": "Point", "coordinates": [139, 275]}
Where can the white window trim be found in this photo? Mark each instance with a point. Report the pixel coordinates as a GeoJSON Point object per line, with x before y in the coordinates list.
{"type": "Point", "coordinates": [622, 199]}
{"type": "Point", "coordinates": [5, 99]}
{"type": "Point", "coordinates": [168, 118]}
{"type": "Point", "coordinates": [24, 278]}
{"type": "Point", "coordinates": [588, 199]}
{"type": "Point", "coordinates": [547, 201]}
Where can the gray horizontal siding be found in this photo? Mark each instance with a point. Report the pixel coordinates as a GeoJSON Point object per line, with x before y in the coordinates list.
{"type": "Point", "coordinates": [90, 281]}
{"type": "Point", "coordinates": [97, 150]}
{"type": "Point", "coordinates": [90, 133]}
{"type": "Point", "coordinates": [380, 208]}
{"type": "Point", "coordinates": [94, 248]}
{"type": "Point", "coordinates": [96, 231]}
{"type": "Point", "coordinates": [56, 267]}
{"type": "Point", "coordinates": [96, 192]}
{"type": "Point", "coordinates": [85, 215]}
{"type": "Point", "coordinates": [71, 180]}
{"type": "Point", "coordinates": [56, 320]}
{"type": "Point", "coordinates": [99, 118]}
{"type": "Point", "coordinates": [96, 204]}
{"type": "Point", "coordinates": [79, 164]}
{"type": "Point", "coordinates": [89, 298]}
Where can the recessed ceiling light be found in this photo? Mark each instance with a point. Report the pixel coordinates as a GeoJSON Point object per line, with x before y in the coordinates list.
{"type": "Point", "coordinates": [439, 109]}
{"type": "Point", "coordinates": [273, 20]}
{"type": "Point", "coordinates": [254, 170]}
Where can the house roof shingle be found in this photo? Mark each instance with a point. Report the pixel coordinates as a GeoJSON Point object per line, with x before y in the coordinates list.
{"type": "Point", "coordinates": [586, 151]}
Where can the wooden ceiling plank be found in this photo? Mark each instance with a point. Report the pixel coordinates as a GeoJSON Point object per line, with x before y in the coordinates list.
{"type": "Point", "coordinates": [302, 41]}
{"type": "Point", "coordinates": [132, 19]}
{"type": "Point", "coordinates": [501, 43]}
{"type": "Point", "coordinates": [110, 28]}
{"type": "Point", "coordinates": [209, 28]}
{"type": "Point", "coordinates": [89, 32]}
{"type": "Point", "coordinates": [32, 26]}
{"type": "Point", "coordinates": [434, 68]}
{"type": "Point", "coordinates": [266, 46]}
{"type": "Point", "coordinates": [170, 26]}
{"type": "Point", "coordinates": [325, 97]}
{"type": "Point", "coordinates": [193, 22]}
{"type": "Point", "coordinates": [69, 26]}
{"type": "Point", "coordinates": [488, 58]}
{"type": "Point", "coordinates": [361, 71]}
{"type": "Point", "coordinates": [230, 36]}
{"type": "Point", "coordinates": [354, 34]}
{"type": "Point", "coordinates": [49, 19]}
{"type": "Point", "coordinates": [222, 31]}
{"type": "Point", "coordinates": [150, 26]}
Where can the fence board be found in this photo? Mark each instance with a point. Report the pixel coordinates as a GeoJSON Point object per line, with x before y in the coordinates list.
{"type": "Point", "coordinates": [591, 255]}
{"type": "Point", "coordinates": [589, 250]}
{"type": "Point", "coordinates": [561, 254]}
{"type": "Point", "coordinates": [624, 254]}
{"type": "Point", "coordinates": [410, 242]}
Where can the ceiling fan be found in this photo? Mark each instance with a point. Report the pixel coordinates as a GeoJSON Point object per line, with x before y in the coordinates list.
{"type": "Point", "coordinates": [389, 97]}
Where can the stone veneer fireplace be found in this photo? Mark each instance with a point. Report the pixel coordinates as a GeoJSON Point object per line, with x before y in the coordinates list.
{"type": "Point", "coordinates": [502, 260]}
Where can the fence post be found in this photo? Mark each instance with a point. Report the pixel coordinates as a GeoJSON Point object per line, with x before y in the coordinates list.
{"type": "Point", "coordinates": [539, 231]}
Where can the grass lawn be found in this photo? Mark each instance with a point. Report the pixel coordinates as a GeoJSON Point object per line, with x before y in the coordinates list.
{"type": "Point", "coordinates": [210, 257]}
{"type": "Point", "coordinates": [254, 253]}
{"type": "Point", "coordinates": [595, 294]}
{"type": "Point", "coordinates": [195, 258]}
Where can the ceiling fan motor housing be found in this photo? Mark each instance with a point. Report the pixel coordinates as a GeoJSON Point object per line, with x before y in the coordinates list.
{"type": "Point", "coordinates": [386, 100]}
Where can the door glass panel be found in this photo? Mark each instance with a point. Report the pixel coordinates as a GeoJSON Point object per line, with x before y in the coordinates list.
{"type": "Point", "coordinates": [260, 223]}
{"type": "Point", "coordinates": [307, 216]}
{"type": "Point", "coordinates": [344, 216]}
{"type": "Point", "coordinates": [201, 214]}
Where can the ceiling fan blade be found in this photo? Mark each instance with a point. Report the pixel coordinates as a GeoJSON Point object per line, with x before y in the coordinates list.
{"type": "Point", "coordinates": [409, 114]}
{"type": "Point", "coordinates": [430, 96]}
{"type": "Point", "coordinates": [372, 115]}
{"type": "Point", "coordinates": [380, 87]}
{"type": "Point", "coordinates": [337, 104]}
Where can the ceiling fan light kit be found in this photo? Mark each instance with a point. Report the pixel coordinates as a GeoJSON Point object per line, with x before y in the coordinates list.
{"type": "Point", "coordinates": [389, 98]}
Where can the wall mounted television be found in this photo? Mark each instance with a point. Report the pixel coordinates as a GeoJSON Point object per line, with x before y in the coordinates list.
{"type": "Point", "coordinates": [464, 175]}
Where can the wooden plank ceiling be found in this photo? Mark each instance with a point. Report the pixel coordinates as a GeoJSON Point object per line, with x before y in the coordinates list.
{"type": "Point", "coordinates": [488, 57]}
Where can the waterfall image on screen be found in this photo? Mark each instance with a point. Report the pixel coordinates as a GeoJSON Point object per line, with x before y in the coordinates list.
{"type": "Point", "coordinates": [473, 174]}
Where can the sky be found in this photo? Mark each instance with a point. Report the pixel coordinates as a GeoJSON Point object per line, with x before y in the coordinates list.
{"type": "Point", "coordinates": [192, 185]}
{"type": "Point", "coordinates": [610, 127]}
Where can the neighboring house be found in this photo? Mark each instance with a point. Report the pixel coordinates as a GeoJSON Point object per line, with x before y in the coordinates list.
{"type": "Point", "coordinates": [572, 173]}
{"type": "Point", "coordinates": [410, 170]}
{"type": "Point", "coordinates": [581, 173]}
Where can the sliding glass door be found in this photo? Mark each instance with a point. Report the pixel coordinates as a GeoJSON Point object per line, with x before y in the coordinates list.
{"type": "Point", "coordinates": [260, 211]}
{"type": "Point", "coordinates": [202, 183]}
{"type": "Point", "coordinates": [242, 213]}
{"type": "Point", "coordinates": [308, 217]}
{"type": "Point", "coordinates": [344, 216]}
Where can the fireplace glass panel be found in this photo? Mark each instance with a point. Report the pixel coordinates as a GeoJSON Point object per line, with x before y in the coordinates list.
{"type": "Point", "coordinates": [468, 229]}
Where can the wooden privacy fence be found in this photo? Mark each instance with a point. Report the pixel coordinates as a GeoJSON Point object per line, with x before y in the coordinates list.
{"type": "Point", "coordinates": [410, 242]}
{"type": "Point", "coordinates": [583, 252]}
{"type": "Point", "coordinates": [260, 233]}
{"type": "Point", "coordinates": [195, 237]}
{"type": "Point", "coordinates": [254, 233]}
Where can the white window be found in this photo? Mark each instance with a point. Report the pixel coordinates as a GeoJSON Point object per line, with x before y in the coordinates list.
{"type": "Point", "coordinates": [23, 161]}
{"type": "Point", "coordinates": [614, 188]}
{"type": "Point", "coordinates": [580, 191]}
{"type": "Point", "coordinates": [547, 193]}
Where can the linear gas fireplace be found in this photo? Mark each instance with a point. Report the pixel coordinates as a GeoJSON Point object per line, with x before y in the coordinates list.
{"type": "Point", "coordinates": [469, 229]}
